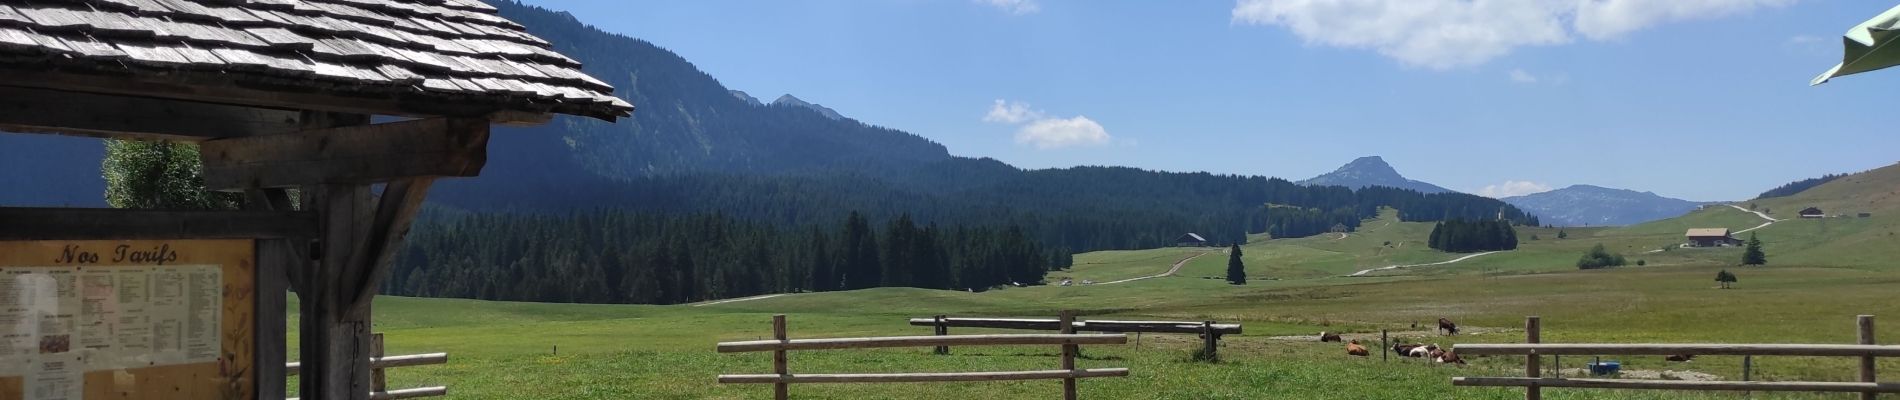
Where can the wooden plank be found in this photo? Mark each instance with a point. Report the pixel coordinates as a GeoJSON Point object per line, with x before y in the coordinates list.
{"type": "Point", "coordinates": [926, 376]}
{"type": "Point", "coordinates": [1883, 387]}
{"type": "Point", "coordinates": [1571, 349]}
{"type": "Point", "coordinates": [350, 154]}
{"type": "Point", "coordinates": [32, 223]}
{"type": "Point", "coordinates": [335, 338]}
{"type": "Point", "coordinates": [1533, 333]}
{"type": "Point", "coordinates": [395, 209]}
{"type": "Point", "coordinates": [275, 258]}
{"type": "Point", "coordinates": [378, 378]}
{"type": "Point", "coordinates": [410, 360]}
{"type": "Point", "coordinates": [1082, 326]}
{"type": "Point", "coordinates": [73, 113]}
{"type": "Point", "coordinates": [919, 341]}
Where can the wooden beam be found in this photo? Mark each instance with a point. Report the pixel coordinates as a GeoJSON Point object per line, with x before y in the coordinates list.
{"type": "Point", "coordinates": [294, 368]}
{"type": "Point", "coordinates": [275, 259]}
{"type": "Point", "coordinates": [1080, 326]}
{"type": "Point", "coordinates": [213, 88]}
{"type": "Point", "coordinates": [926, 376]}
{"type": "Point", "coordinates": [18, 223]}
{"type": "Point", "coordinates": [349, 154]}
{"type": "Point", "coordinates": [1568, 349]}
{"type": "Point", "coordinates": [918, 341]}
{"type": "Point", "coordinates": [395, 209]}
{"type": "Point", "coordinates": [410, 393]}
{"type": "Point", "coordinates": [31, 110]}
{"type": "Point", "coordinates": [1679, 385]}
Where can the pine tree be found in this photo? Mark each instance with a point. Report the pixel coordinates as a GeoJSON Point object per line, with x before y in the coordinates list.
{"type": "Point", "coordinates": [1753, 255]}
{"type": "Point", "coordinates": [1236, 271]}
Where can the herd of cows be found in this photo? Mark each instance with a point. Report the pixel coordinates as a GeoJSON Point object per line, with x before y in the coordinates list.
{"type": "Point", "coordinates": [1414, 350]}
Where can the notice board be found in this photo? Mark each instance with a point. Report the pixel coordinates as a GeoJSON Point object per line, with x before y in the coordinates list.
{"type": "Point", "coordinates": [136, 319]}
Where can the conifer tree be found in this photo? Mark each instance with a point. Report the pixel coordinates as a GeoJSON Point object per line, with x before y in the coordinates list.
{"type": "Point", "coordinates": [1236, 271]}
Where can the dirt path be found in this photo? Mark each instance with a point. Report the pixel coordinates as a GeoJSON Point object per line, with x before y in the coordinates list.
{"type": "Point", "coordinates": [1342, 235]}
{"type": "Point", "coordinates": [1171, 271]}
{"type": "Point", "coordinates": [1771, 220]}
{"type": "Point", "coordinates": [1393, 267]}
{"type": "Point", "coordinates": [759, 297]}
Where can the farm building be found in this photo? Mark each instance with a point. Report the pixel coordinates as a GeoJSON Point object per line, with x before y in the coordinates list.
{"type": "Point", "coordinates": [1191, 239]}
{"type": "Point", "coordinates": [1866, 215]}
{"type": "Point", "coordinates": [1710, 237]}
{"type": "Point", "coordinates": [1812, 212]}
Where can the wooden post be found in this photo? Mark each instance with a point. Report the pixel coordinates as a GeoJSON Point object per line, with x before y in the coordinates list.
{"type": "Point", "coordinates": [1067, 322]}
{"type": "Point", "coordinates": [1532, 367]}
{"type": "Point", "coordinates": [378, 378]}
{"type": "Point", "coordinates": [1748, 368]}
{"type": "Point", "coordinates": [780, 390]}
{"type": "Point", "coordinates": [1866, 324]}
{"type": "Point", "coordinates": [1385, 349]}
{"type": "Point", "coordinates": [941, 330]}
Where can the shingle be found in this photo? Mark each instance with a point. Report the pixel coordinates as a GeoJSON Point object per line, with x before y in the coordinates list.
{"type": "Point", "coordinates": [153, 54]}
{"type": "Point", "coordinates": [8, 14]}
{"type": "Point", "coordinates": [15, 38]}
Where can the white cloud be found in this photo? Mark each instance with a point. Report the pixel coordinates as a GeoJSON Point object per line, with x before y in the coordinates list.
{"type": "Point", "coordinates": [1062, 132]}
{"type": "Point", "coordinates": [1444, 34]}
{"type": "Point", "coordinates": [1512, 188]}
{"type": "Point", "coordinates": [1013, 7]}
{"type": "Point", "coordinates": [1011, 113]}
{"type": "Point", "coordinates": [1519, 76]}
{"type": "Point", "coordinates": [1037, 128]}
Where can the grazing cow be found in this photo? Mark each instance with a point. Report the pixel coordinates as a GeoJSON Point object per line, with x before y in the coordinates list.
{"type": "Point", "coordinates": [1681, 358]}
{"type": "Point", "coordinates": [1354, 349]}
{"type": "Point", "coordinates": [1405, 350]}
{"type": "Point", "coordinates": [1328, 337]}
{"type": "Point", "coordinates": [1447, 326]}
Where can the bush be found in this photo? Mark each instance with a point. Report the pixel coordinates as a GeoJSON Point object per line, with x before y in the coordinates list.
{"type": "Point", "coordinates": [1640, 263]}
{"type": "Point", "coordinates": [1598, 258]}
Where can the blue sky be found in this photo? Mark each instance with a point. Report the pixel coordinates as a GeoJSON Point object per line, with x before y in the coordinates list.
{"type": "Point", "coordinates": [1696, 99]}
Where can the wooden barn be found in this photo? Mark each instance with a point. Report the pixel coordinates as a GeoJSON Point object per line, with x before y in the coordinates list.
{"type": "Point", "coordinates": [1812, 212]}
{"type": "Point", "coordinates": [1711, 237]}
{"type": "Point", "coordinates": [1191, 239]}
{"type": "Point", "coordinates": [358, 104]}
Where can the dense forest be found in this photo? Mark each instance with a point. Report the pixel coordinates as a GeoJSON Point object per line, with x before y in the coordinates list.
{"type": "Point", "coordinates": [1462, 236]}
{"type": "Point", "coordinates": [617, 257]}
{"type": "Point", "coordinates": [1791, 188]}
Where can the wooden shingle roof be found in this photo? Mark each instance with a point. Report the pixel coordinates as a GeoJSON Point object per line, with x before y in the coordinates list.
{"type": "Point", "coordinates": [399, 57]}
{"type": "Point", "coordinates": [1707, 232]}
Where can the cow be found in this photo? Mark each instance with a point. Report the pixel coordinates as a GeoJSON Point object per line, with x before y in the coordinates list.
{"type": "Point", "coordinates": [1423, 352]}
{"type": "Point", "coordinates": [1447, 357]}
{"type": "Point", "coordinates": [1405, 350]}
{"type": "Point", "coordinates": [1446, 325]}
{"type": "Point", "coordinates": [1329, 337]}
{"type": "Point", "coordinates": [1354, 349]}
{"type": "Point", "coordinates": [1680, 358]}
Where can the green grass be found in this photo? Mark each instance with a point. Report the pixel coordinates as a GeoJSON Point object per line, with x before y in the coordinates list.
{"type": "Point", "coordinates": [1821, 274]}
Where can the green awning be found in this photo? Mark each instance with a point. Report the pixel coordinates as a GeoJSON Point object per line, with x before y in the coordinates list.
{"type": "Point", "coordinates": [1869, 46]}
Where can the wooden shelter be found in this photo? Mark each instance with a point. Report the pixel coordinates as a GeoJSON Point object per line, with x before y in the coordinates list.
{"type": "Point", "coordinates": [1812, 212]}
{"type": "Point", "coordinates": [1190, 239]}
{"type": "Point", "coordinates": [279, 95]}
{"type": "Point", "coordinates": [1711, 237]}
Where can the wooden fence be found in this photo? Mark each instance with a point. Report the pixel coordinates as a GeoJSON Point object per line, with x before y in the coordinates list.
{"type": "Point", "coordinates": [379, 384]}
{"type": "Point", "coordinates": [1533, 382]}
{"type": "Point", "coordinates": [1209, 330]}
{"type": "Point", "coordinates": [781, 378]}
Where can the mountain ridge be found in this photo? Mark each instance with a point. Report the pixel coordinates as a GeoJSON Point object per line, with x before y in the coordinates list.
{"type": "Point", "coordinates": [1592, 205]}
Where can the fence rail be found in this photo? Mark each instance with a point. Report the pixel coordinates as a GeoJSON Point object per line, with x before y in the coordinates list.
{"type": "Point", "coordinates": [378, 362]}
{"type": "Point", "coordinates": [1867, 351]}
{"type": "Point", "coordinates": [1209, 330]}
{"type": "Point", "coordinates": [781, 378]}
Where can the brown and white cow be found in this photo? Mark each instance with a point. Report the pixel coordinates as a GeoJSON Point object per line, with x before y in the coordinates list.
{"type": "Point", "coordinates": [1354, 349]}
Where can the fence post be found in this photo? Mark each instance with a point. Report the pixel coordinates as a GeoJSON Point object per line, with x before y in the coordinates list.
{"type": "Point", "coordinates": [1748, 368]}
{"type": "Point", "coordinates": [378, 381]}
{"type": "Point", "coordinates": [1532, 326]}
{"type": "Point", "coordinates": [940, 331]}
{"type": "Point", "coordinates": [1067, 323]}
{"type": "Point", "coordinates": [780, 390]}
{"type": "Point", "coordinates": [1209, 341]}
{"type": "Point", "coordinates": [1385, 350]}
{"type": "Point", "coordinates": [1866, 324]}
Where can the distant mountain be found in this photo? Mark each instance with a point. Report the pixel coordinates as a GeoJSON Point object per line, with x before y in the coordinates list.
{"type": "Point", "coordinates": [746, 97]}
{"type": "Point", "coordinates": [1586, 205]}
{"type": "Point", "coordinates": [1371, 171]}
{"type": "Point", "coordinates": [788, 100]}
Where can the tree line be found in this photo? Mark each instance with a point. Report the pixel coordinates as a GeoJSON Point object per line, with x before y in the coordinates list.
{"type": "Point", "coordinates": [621, 257]}
{"type": "Point", "coordinates": [1461, 236]}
